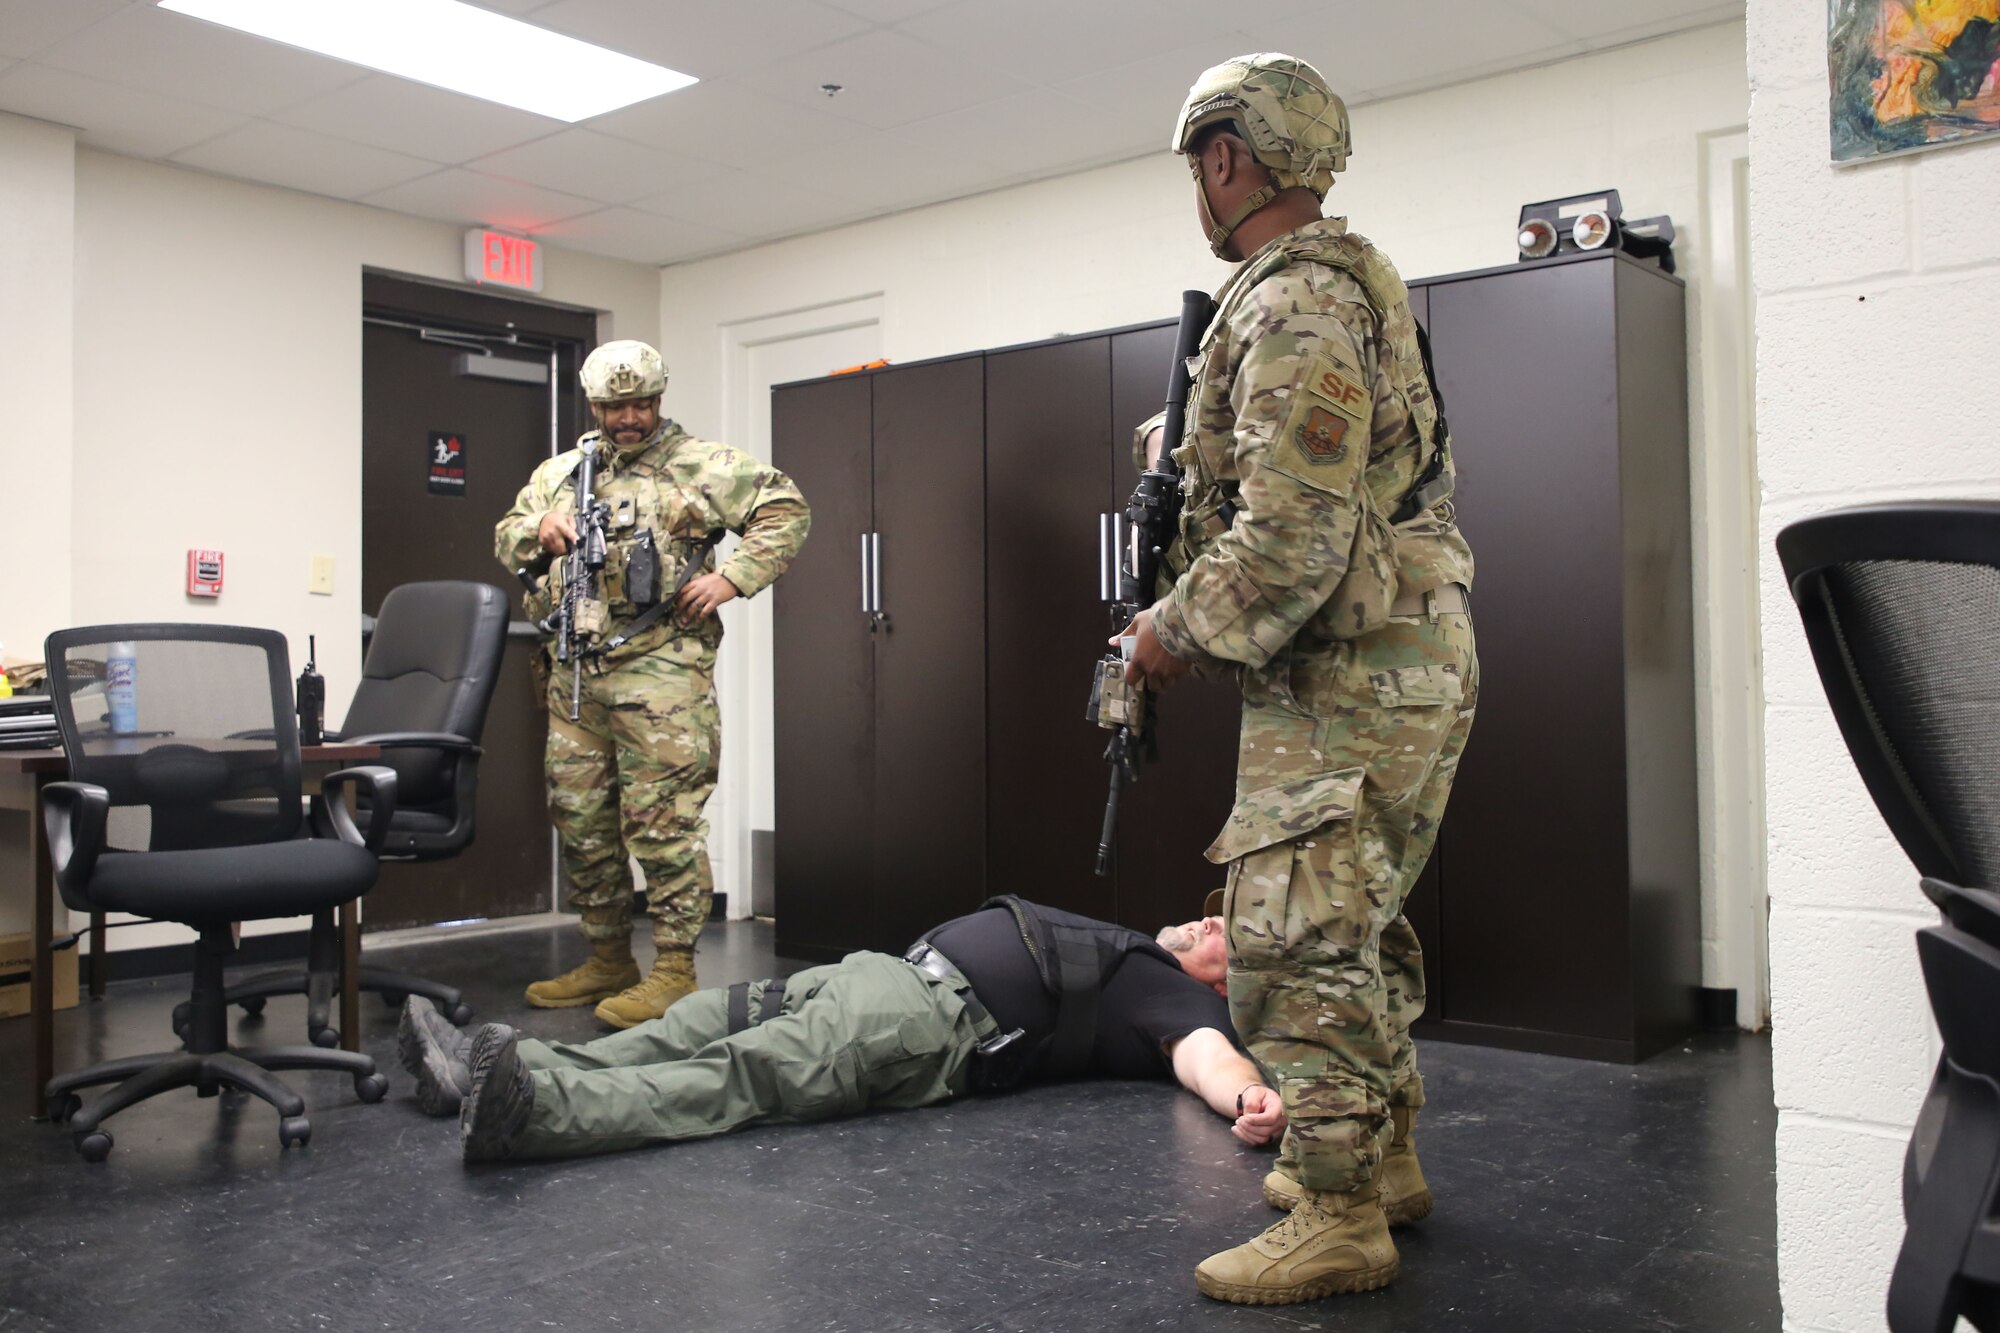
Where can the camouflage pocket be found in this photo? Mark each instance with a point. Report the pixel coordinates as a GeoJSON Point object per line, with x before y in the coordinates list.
{"type": "Point", "coordinates": [1272, 815]}
{"type": "Point", "coordinates": [1414, 686]}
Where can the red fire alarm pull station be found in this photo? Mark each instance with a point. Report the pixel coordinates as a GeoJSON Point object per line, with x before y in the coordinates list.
{"type": "Point", "coordinates": [204, 573]}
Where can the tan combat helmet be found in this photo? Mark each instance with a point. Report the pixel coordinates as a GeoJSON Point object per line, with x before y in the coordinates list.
{"type": "Point", "coordinates": [623, 369]}
{"type": "Point", "coordinates": [1282, 108]}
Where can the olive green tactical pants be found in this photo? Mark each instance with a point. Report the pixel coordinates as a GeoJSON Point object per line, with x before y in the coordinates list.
{"type": "Point", "coordinates": [868, 1031]}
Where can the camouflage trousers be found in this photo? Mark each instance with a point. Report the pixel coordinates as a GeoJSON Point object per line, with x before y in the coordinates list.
{"type": "Point", "coordinates": [630, 778]}
{"type": "Point", "coordinates": [1346, 759]}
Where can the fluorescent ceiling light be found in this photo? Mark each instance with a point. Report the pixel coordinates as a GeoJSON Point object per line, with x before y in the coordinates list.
{"type": "Point", "coordinates": [452, 45]}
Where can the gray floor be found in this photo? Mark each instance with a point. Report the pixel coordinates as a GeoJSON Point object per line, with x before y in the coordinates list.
{"type": "Point", "coordinates": [1571, 1196]}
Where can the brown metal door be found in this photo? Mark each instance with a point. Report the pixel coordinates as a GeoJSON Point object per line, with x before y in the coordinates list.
{"type": "Point", "coordinates": [1180, 802]}
{"type": "Point", "coordinates": [823, 677]}
{"type": "Point", "coordinates": [1048, 482]}
{"type": "Point", "coordinates": [411, 389]}
{"type": "Point", "coordinates": [930, 689]}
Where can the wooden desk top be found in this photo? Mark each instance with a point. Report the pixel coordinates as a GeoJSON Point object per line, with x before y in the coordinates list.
{"type": "Point", "coordinates": [54, 762]}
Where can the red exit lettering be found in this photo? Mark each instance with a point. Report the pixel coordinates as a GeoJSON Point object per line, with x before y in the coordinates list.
{"type": "Point", "coordinates": [508, 261]}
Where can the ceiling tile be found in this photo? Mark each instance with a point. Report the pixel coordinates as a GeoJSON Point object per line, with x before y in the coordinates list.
{"type": "Point", "coordinates": [643, 238]}
{"type": "Point", "coordinates": [301, 160]}
{"type": "Point", "coordinates": [595, 166]}
{"type": "Point", "coordinates": [467, 197]}
{"type": "Point", "coordinates": [518, 8]}
{"type": "Point", "coordinates": [168, 53]}
{"type": "Point", "coordinates": [883, 174]}
{"type": "Point", "coordinates": [706, 38]}
{"type": "Point", "coordinates": [1039, 132]}
{"type": "Point", "coordinates": [388, 112]}
{"type": "Point", "coordinates": [887, 11]}
{"type": "Point", "coordinates": [1478, 37]}
{"type": "Point", "coordinates": [760, 204]}
{"type": "Point", "coordinates": [1136, 104]}
{"type": "Point", "coordinates": [725, 120]}
{"type": "Point", "coordinates": [887, 78]}
{"type": "Point", "coordinates": [29, 26]}
{"type": "Point", "coordinates": [118, 120]}
{"type": "Point", "coordinates": [1016, 38]}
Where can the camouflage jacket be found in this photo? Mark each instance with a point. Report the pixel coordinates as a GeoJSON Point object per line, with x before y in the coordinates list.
{"type": "Point", "coordinates": [1309, 420]}
{"type": "Point", "coordinates": [678, 488]}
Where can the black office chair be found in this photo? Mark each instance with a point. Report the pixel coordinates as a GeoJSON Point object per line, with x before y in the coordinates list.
{"type": "Point", "coordinates": [432, 663]}
{"type": "Point", "coordinates": [1901, 605]}
{"type": "Point", "coordinates": [184, 805]}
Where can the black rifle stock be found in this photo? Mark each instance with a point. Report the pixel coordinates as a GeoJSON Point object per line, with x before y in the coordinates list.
{"type": "Point", "coordinates": [1153, 514]}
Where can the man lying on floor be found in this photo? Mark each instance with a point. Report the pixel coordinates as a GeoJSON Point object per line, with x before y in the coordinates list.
{"type": "Point", "coordinates": [1010, 993]}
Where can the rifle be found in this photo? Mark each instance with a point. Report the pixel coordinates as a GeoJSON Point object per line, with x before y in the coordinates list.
{"type": "Point", "coordinates": [579, 614]}
{"type": "Point", "coordinates": [1153, 514]}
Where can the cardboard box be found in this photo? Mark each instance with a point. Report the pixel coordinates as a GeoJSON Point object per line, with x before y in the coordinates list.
{"type": "Point", "coordinates": [17, 958]}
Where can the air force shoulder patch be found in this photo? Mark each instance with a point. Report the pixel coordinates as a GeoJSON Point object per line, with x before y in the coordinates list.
{"type": "Point", "coordinates": [1327, 401]}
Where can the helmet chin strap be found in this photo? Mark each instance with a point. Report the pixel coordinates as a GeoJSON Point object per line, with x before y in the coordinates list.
{"type": "Point", "coordinates": [1220, 232]}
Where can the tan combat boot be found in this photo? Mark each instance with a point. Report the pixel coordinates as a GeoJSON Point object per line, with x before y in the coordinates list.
{"type": "Point", "coordinates": [672, 978]}
{"type": "Point", "coordinates": [1405, 1196]}
{"type": "Point", "coordinates": [610, 969]}
{"type": "Point", "coordinates": [1329, 1243]}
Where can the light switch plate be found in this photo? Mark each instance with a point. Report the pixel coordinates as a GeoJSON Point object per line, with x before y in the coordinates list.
{"type": "Point", "coordinates": [321, 579]}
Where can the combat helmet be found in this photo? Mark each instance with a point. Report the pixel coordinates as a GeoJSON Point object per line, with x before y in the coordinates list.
{"type": "Point", "coordinates": [623, 369]}
{"type": "Point", "coordinates": [1282, 108]}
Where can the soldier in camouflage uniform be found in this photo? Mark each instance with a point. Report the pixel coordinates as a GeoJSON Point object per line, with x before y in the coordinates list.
{"type": "Point", "coordinates": [1319, 559]}
{"type": "Point", "coordinates": [629, 778]}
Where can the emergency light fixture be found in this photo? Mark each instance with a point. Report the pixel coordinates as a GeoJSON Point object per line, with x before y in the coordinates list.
{"type": "Point", "coordinates": [1592, 222]}
{"type": "Point", "coordinates": [454, 46]}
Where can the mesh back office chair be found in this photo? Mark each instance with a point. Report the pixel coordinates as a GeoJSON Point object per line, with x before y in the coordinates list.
{"type": "Point", "coordinates": [184, 805]}
{"type": "Point", "coordinates": [432, 664]}
{"type": "Point", "coordinates": [1901, 605]}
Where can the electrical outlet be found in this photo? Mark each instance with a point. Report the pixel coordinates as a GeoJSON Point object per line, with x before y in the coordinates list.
{"type": "Point", "coordinates": [321, 579]}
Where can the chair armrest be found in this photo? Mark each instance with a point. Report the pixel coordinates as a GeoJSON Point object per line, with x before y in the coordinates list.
{"type": "Point", "coordinates": [380, 785]}
{"type": "Point", "coordinates": [73, 814]}
{"type": "Point", "coordinates": [414, 740]}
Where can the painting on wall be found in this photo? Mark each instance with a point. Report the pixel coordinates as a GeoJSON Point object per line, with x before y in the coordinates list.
{"type": "Point", "coordinates": [1907, 75]}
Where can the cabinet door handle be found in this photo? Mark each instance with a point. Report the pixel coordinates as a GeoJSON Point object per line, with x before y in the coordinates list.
{"type": "Point", "coordinates": [865, 608]}
{"type": "Point", "coordinates": [1105, 557]}
{"type": "Point", "coordinates": [875, 572]}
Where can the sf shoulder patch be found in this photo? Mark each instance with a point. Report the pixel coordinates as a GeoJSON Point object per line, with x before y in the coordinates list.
{"type": "Point", "coordinates": [1320, 443]}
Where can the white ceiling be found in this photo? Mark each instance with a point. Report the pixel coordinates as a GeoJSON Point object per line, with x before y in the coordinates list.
{"type": "Point", "coordinates": [941, 98]}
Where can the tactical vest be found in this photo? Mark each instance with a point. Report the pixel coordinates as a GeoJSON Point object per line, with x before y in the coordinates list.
{"type": "Point", "coordinates": [1076, 956]}
{"type": "Point", "coordinates": [1393, 497]}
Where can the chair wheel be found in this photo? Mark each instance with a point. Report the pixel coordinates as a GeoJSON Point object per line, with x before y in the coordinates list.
{"type": "Point", "coordinates": [182, 1013]}
{"type": "Point", "coordinates": [63, 1105]}
{"type": "Point", "coordinates": [392, 999]}
{"type": "Point", "coordinates": [327, 1038]}
{"type": "Point", "coordinates": [294, 1131]}
{"type": "Point", "coordinates": [461, 1014]}
{"type": "Point", "coordinates": [95, 1145]}
{"type": "Point", "coordinates": [253, 1007]}
{"type": "Point", "coordinates": [371, 1087]}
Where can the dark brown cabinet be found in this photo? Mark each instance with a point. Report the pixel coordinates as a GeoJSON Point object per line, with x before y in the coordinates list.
{"type": "Point", "coordinates": [932, 750]}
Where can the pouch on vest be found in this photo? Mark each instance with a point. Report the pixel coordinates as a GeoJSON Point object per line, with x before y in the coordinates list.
{"type": "Point", "coordinates": [642, 571]}
{"type": "Point", "coordinates": [1271, 815]}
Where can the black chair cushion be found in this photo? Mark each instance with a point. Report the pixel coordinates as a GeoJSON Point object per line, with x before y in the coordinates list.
{"type": "Point", "coordinates": [275, 879]}
{"type": "Point", "coordinates": [431, 666]}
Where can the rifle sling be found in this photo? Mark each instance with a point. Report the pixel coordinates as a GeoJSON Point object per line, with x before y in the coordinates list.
{"type": "Point", "coordinates": [646, 619]}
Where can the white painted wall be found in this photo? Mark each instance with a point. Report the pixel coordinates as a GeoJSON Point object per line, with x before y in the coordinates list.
{"type": "Point", "coordinates": [218, 328]}
{"type": "Point", "coordinates": [1878, 287]}
{"type": "Point", "coordinates": [37, 276]}
{"type": "Point", "coordinates": [1438, 180]}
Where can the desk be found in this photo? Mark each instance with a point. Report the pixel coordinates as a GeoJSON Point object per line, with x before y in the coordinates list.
{"type": "Point", "coordinates": [38, 768]}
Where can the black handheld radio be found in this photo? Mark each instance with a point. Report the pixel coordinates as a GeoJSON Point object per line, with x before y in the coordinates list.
{"type": "Point", "coordinates": [312, 697]}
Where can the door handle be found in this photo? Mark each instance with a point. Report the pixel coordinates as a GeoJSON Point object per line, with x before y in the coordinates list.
{"type": "Point", "coordinates": [865, 607]}
{"type": "Point", "coordinates": [1104, 544]}
{"type": "Point", "coordinates": [875, 573]}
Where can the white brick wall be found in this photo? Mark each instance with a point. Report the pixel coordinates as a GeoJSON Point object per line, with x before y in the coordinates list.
{"type": "Point", "coordinates": [1877, 289]}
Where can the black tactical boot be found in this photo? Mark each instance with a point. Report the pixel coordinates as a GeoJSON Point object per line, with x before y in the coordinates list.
{"type": "Point", "coordinates": [498, 1096]}
{"type": "Point", "coordinates": [435, 1054]}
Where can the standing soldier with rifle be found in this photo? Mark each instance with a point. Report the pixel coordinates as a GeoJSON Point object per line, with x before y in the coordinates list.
{"type": "Point", "coordinates": [634, 736]}
{"type": "Point", "coordinates": [1317, 555]}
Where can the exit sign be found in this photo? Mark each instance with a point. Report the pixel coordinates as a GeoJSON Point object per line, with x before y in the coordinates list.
{"type": "Point", "coordinates": [499, 260]}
